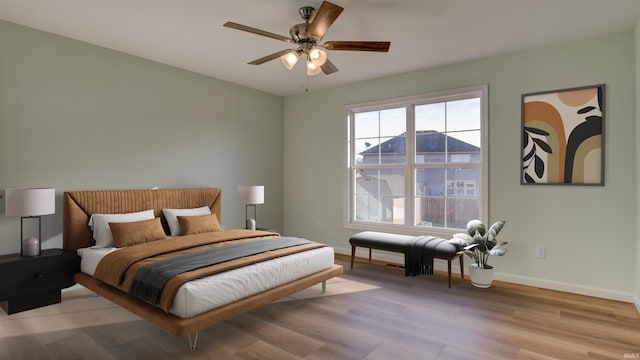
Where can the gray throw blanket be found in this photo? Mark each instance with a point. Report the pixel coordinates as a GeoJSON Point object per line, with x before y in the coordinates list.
{"type": "Point", "coordinates": [418, 255]}
{"type": "Point", "coordinates": [149, 280]}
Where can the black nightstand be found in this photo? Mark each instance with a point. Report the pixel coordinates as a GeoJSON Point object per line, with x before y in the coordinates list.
{"type": "Point", "coordinates": [30, 282]}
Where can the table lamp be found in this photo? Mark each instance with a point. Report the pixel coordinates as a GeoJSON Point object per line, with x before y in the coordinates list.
{"type": "Point", "coordinates": [30, 203]}
{"type": "Point", "coordinates": [250, 196]}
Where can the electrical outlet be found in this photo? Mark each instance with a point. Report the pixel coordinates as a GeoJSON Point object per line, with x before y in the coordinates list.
{"type": "Point", "coordinates": [541, 252]}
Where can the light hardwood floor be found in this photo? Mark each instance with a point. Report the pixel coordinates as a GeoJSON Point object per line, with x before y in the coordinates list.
{"type": "Point", "coordinates": [371, 312]}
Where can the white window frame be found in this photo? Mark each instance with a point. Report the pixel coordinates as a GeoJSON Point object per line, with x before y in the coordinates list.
{"type": "Point", "coordinates": [481, 91]}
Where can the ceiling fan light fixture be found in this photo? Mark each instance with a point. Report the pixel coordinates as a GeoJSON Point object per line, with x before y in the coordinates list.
{"type": "Point", "coordinates": [290, 59]}
{"type": "Point", "coordinates": [312, 69]}
{"type": "Point", "coordinates": [318, 56]}
{"type": "Point", "coordinates": [307, 37]}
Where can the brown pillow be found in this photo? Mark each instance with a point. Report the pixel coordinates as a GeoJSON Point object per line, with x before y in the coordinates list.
{"type": "Point", "coordinates": [137, 232]}
{"type": "Point", "coordinates": [199, 224]}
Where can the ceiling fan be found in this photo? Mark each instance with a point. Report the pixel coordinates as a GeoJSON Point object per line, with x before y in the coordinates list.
{"type": "Point", "coordinates": [307, 36]}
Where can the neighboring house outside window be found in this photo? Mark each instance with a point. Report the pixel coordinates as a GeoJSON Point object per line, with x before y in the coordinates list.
{"type": "Point", "coordinates": [441, 183]}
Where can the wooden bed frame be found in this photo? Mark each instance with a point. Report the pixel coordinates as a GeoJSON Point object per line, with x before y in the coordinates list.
{"type": "Point", "coordinates": [78, 206]}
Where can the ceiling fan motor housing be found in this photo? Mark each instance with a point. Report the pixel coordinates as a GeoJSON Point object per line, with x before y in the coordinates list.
{"type": "Point", "coordinates": [306, 12]}
{"type": "Point", "coordinates": [298, 31]}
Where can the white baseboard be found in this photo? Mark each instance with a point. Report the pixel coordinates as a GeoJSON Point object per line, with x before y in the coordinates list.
{"type": "Point", "coordinates": [567, 287]}
{"type": "Point", "coordinates": [516, 279]}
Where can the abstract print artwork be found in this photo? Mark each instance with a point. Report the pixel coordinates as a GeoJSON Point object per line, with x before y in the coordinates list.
{"type": "Point", "coordinates": [562, 136]}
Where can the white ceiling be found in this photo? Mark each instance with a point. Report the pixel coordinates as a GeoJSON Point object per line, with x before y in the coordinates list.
{"type": "Point", "coordinates": [424, 33]}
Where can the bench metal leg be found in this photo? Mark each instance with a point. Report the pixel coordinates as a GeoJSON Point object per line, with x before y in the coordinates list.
{"type": "Point", "coordinates": [461, 266]}
{"type": "Point", "coordinates": [369, 254]}
{"type": "Point", "coordinates": [449, 271]}
{"type": "Point", "coordinates": [193, 341]}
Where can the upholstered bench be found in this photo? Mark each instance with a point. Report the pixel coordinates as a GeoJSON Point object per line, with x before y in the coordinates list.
{"type": "Point", "coordinates": [433, 247]}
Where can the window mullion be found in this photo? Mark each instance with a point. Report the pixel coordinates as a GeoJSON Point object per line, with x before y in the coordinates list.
{"type": "Point", "coordinates": [446, 162]}
{"type": "Point", "coordinates": [351, 206]}
{"type": "Point", "coordinates": [410, 186]}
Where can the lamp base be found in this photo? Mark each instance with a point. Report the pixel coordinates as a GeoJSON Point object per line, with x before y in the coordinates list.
{"type": "Point", "coordinates": [30, 247]}
{"type": "Point", "coordinates": [251, 224]}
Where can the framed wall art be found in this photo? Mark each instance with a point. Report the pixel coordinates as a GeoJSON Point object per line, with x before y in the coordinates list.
{"type": "Point", "coordinates": [563, 136]}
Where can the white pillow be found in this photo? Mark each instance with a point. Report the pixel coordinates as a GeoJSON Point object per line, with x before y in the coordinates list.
{"type": "Point", "coordinates": [99, 223]}
{"type": "Point", "coordinates": [171, 215]}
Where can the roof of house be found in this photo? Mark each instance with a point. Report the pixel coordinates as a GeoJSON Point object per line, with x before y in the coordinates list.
{"type": "Point", "coordinates": [432, 142]}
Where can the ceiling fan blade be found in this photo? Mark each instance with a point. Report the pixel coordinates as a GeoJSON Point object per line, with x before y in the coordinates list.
{"type": "Point", "coordinates": [276, 55]}
{"type": "Point", "coordinates": [381, 46]}
{"type": "Point", "coordinates": [326, 15]}
{"type": "Point", "coordinates": [252, 30]}
{"type": "Point", "coordinates": [328, 68]}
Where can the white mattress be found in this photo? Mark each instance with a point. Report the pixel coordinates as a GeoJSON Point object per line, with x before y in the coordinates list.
{"type": "Point", "coordinates": [211, 292]}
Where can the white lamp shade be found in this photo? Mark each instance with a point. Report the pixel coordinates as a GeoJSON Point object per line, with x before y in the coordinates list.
{"type": "Point", "coordinates": [290, 59]}
{"type": "Point", "coordinates": [318, 56]}
{"type": "Point", "coordinates": [313, 69]}
{"type": "Point", "coordinates": [30, 202]}
{"type": "Point", "coordinates": [251, 195]}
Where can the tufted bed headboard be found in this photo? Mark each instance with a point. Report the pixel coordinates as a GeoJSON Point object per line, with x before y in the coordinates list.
{"type": "Point", "coordinates": [78, 206]}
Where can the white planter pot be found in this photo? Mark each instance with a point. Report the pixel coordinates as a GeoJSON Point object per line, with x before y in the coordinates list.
{"type": "Point", "coordinates": [481, 278]}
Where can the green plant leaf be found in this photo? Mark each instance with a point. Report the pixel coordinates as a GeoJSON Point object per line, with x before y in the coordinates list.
{"type": "Point", "coordinates": [482, 244]}
{"type": "Point", "coordinates": [461, 239]}
{"type": "Point", "coordinates": [475, 227]}
{"type": "Point", "coordinates": [495, 229]}
{"type": "Point", "coordinates": [499, 249]}
{"type": "Point", "coordinates": [471, 247]}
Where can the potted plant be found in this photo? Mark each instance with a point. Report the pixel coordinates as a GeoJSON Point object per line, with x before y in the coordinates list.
{"type": "Point", "coordinates": [479, 244]}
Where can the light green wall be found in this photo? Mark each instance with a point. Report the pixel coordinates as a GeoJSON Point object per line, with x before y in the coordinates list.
{"type": "Point", "coordinates": [75, 116]}
{"type": "Point", "coordinates": [589, 231]}
{"type": "Point", "coordinates": [637, 153]}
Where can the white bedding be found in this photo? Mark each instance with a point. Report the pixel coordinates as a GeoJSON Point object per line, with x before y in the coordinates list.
{"type": "Point", "coordinates": [211, 292]}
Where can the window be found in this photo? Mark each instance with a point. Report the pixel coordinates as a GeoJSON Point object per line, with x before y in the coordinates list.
{"type": "Point", "coordinates": [418, 162]}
